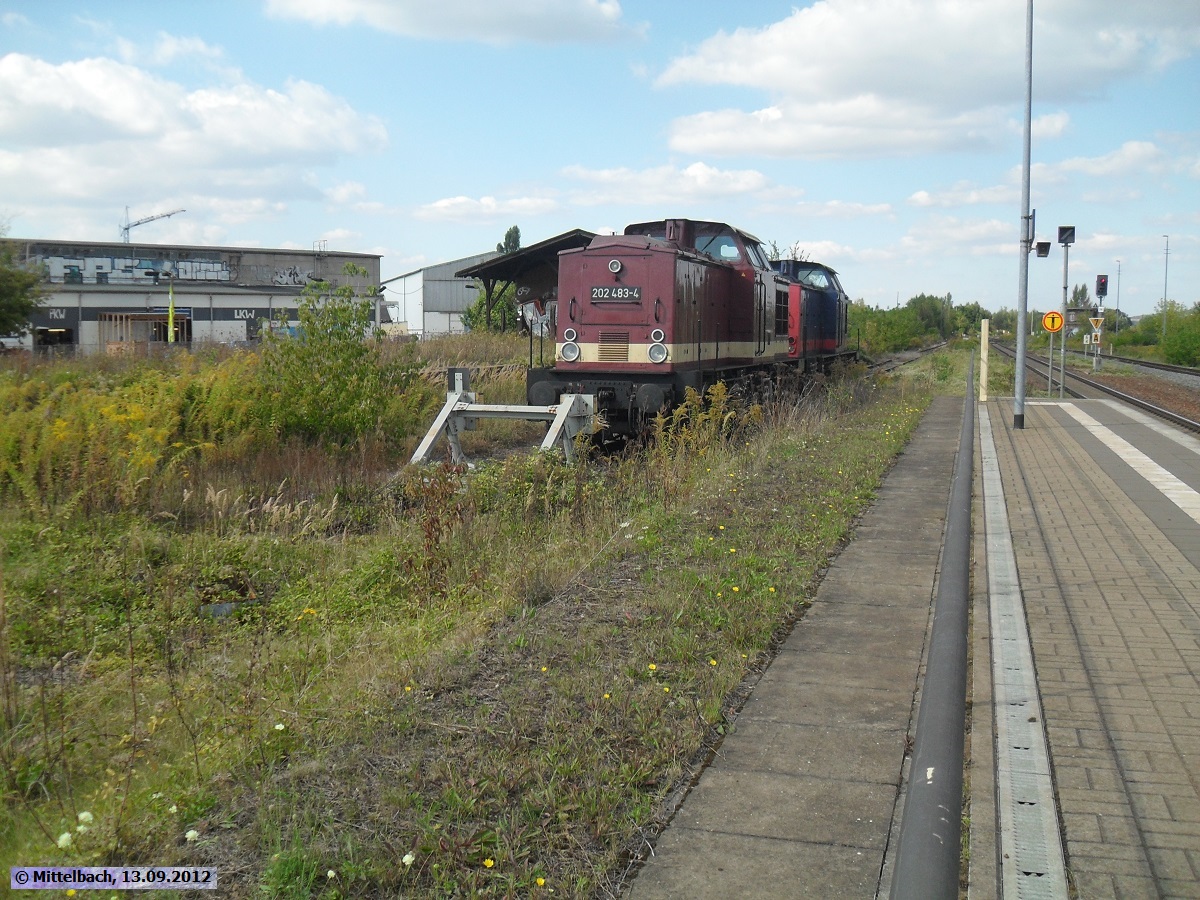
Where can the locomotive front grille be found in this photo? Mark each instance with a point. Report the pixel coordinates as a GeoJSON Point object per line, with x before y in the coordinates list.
{"type": "Point", "coordinates": [613, 346]}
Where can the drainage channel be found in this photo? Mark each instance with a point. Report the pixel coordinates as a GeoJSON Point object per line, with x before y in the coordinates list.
{"type": "Point", "coordinates": [1030, 847]}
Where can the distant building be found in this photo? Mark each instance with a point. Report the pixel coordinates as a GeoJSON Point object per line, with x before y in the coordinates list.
{"type": "Point", "coordinates": [432, 300]}
{"type": "Point", "coordinates": [117, 297]}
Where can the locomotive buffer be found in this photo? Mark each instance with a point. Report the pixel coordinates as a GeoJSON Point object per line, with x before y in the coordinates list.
{"type": "Point", "coordinates": [571, 415]}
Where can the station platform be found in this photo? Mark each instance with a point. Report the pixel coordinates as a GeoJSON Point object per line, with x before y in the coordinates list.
{"type": "Point", "coordinates": [1083, 759]}
{"type": "Point", "coordinates": [1099, 507]}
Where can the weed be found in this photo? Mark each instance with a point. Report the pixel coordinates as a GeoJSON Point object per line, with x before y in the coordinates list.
{"type": "Point", "coordinates": [458, 663]}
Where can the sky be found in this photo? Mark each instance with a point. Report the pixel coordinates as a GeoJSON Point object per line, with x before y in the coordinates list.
{"type": "Point", "coordinates": [881, 137]}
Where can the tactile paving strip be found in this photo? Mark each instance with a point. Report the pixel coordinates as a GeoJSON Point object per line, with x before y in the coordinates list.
{"type": "Point", "coordinates": [1031, 854]}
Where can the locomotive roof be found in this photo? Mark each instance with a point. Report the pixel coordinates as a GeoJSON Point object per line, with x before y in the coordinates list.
{"type": "Point", "coordinates": [643, 228]}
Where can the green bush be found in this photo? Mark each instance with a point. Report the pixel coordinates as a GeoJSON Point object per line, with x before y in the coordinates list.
{"type": "Point", "coordinates": [329, 381]}
{"type": "Point", "coordinates": [1182, 346]}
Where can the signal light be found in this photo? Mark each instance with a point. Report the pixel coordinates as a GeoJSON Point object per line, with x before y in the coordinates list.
{"type": "Point", "coordinates": [1101, 285]}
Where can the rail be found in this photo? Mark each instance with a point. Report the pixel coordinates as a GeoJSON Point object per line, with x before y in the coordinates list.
{"type": "Point", "coordinates": [927, 860]}
{"type": "Point", "coordinates": [1100, 387]}
{"type": "Point", "coordinates": [1146, 363]}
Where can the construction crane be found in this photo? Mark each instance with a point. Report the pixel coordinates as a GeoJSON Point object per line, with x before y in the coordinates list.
{"type": "Point", "coordinates": [125, 228]}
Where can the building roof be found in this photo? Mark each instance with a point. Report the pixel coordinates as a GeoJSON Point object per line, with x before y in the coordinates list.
{"type": "Point", "coordinates": [136, 248]}
{"type": "Point", "coordinates": [511, 266]}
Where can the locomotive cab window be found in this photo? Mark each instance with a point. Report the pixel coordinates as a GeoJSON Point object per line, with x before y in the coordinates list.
{"type": "Point", "coordinates": [755, 252]}
{"type": "Point", "coordinates": [719, 246]}
{"type": "Point", "coordinates": [781, 309]}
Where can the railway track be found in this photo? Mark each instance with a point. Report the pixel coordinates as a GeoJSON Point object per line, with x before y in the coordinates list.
{"type": "Point", "coordinates": [1083, 387]}
{"type": "Point", "coordinates": [1144, 363]}
{"type": "Point", "coordinates": [891, 363]}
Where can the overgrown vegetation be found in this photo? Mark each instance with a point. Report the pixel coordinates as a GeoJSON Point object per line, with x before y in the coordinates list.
{"type": "Point", "coordinates": [20, 291]}
{"type": "Point", "coordinates": [923, 320]}
{"type": "Point", "coordinates": [229, 637]}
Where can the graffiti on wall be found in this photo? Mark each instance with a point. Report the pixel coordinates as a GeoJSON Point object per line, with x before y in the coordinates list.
{"type": "Point", "coordinates": [132, 270]}
{"type": "Point", "coordinates": [292, 275]}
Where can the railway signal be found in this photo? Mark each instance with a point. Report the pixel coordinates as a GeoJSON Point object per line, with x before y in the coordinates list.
{"type": "Point", "coordinates": [1101, 285]}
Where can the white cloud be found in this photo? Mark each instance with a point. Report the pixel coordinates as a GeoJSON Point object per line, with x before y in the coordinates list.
{"type": "Point", "coordinates": [42, 104]}
{"type": "Point", "coordinates": [346, 192]}
{"type": "Point", "coordinates": [487, 209]}
{"type": "Point", "coordinates": [488, 21]}
{"type": "Point", "coordinates": [863, 78]}
{"type": "Point", "coordinates": [1051, 125]}
{"type": "Point", "coordinates": [841, 209]}
{"type": "Point", "coordinates": [860, 126]}
{"type": "Point", "coordinates": [663, 184]}
{"type": "Point", "coordinates": [939, 235]}
{"type": "Point", "coordinates": [1130, 160]}
{"type": "Point", "coordinates": [102, 132]}
{"type": "Point", "coordinates": [165, 49]}
{"type": "Point", "coordinates": [964, 194]}
{"type": "Point", "coordinates": [341, 237]}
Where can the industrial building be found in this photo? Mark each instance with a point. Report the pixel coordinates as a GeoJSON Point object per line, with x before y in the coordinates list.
{"type": "Point", "coordinates": [434, 296]}
{"type": "Point", "coordinates": [126, 297]}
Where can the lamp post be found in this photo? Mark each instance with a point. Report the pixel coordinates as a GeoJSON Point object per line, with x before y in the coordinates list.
{"type": "Point", "coordinates": [1027, 230]}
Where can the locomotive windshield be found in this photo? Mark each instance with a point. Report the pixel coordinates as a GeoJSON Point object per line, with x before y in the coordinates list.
{"type": "Point", "coordinates": [712, 238]}
{"type": "Point", "coordinates": [718, 246]}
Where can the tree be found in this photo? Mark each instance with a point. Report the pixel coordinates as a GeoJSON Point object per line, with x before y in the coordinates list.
{"type": "Point", "coordinates": [1004, 320]}
{"type": "Point", "coordinates": [774, 254]}
{"type": "Point", "coordinates": [1080, 296]}
{"type": "Point", "coordinates": [512, 241]}
{"type": "Point", "coordinates": [968, 316]}
{"type": "Point", "coordinates": [1182, 345]}
{"type": "Point", "coordinates": [330, 380]}
{"type": "Point", "coordinates": [20, 291]}
{"type": "Point", "coordinates": [504, 312]}
{"type": "Point", "coordinates": [935, 314]}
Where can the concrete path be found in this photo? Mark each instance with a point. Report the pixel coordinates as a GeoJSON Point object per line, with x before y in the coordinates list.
{"type": "Point", "coordinates": [801, 798]}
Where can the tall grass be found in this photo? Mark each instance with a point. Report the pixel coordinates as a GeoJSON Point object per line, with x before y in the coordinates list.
{"type": "Point", "coordinates": [312, 660]}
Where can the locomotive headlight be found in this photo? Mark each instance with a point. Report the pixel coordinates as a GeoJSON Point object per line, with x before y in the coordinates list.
{"type": "Point", "coordinates": [658, 353]}
{"type": "Point", "coordinates": [614, 266]}
{"type": "Point", "coordinates": [570, 351]}
{"type": "Point", "coordinates": [570, 334]}
{"type": "Point", "coordinates": [657, 335]}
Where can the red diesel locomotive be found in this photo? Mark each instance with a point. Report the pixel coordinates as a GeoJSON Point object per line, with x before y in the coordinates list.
{"type": "Point", "coordinates": [674, 304]}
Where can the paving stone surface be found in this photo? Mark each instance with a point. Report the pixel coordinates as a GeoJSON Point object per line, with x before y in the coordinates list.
{"type": "Point", "coordinates": [1108, 573]}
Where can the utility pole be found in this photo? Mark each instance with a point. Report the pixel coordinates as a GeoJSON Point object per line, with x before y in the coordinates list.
{"type": "Point", "coordinates": [1027, 233]}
